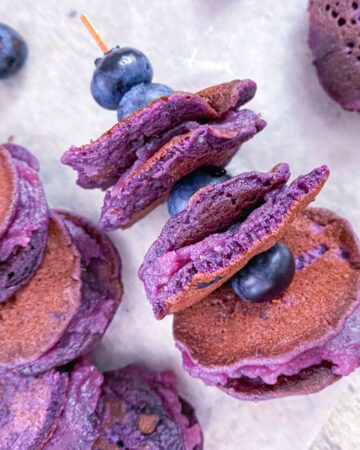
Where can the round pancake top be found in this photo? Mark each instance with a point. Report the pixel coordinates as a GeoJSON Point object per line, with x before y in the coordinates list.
{"type": "Point", "coordinates": [32, 406]}
{"type": "Point", "coordinates": [334, 40]}
{"type": "Point", "coordinates": [33, 319]}
{"type": "Point", "coordinates": [134, 409]}
{"type": "Point", "coordinates": [223, 330]}
{"type": "Point", "coordinates": [8, 189]}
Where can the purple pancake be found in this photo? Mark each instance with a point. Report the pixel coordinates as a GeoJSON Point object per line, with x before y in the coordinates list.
{"type": "Point", "coordinates": [9, 190]}
{"type": "Point", "coordinates": [77, 425]}
{"type": "Point", "coordinates": [23, 154]}
{"type": "Point", "coordinates": [103, 161]}
{"type": "Point", "coordinates": [335, 43]}
{"type": "Point", "coordinates": [144, 155]}
{"type": "Point", "coordinates": [176, 276]}
{"type": "Point", "coordinates": [30, 408]}
{"type": "Point", "coordinates": [64, 310]}
{"type": "Point", "coordinates": [297, 344]}
{"type": "Point", "coordinates": [213, 143]}
{"type": "Point", "coordinates": [23, 240]}
{"type": "Point", "coordinates": [139, 409]}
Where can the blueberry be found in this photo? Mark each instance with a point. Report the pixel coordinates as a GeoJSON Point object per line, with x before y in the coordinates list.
{"type": "Point", "coordinates": [140, 96]}
{"type": "Point", "coordinates": [188, 185]}
{"type": "Point", "coordinates": [13, 51]}
{"type": "Point", "coordinates": [116, 72]}
{"type": "Point", "coordinates": [266, 276]}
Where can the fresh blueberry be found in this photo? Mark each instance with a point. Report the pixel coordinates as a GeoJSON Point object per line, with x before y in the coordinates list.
{"type": "Point", "coordinates": [266, 276]}
{"type": "Point", "coordinates": [116, 72]}
{"type": "Point", "coordinates": [140, 96]}
{"type": "Point", "coordinates": [13, 51]}
{"type": "Point", "coordinates": [188, 185]}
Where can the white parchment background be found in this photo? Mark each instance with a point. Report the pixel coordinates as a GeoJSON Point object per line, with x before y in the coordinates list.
{"type": "Point", "coordinates": [192, 44]}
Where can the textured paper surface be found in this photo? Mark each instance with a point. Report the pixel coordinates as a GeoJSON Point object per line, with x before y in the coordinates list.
{"type": "Point", "coordinates": [192, 44]}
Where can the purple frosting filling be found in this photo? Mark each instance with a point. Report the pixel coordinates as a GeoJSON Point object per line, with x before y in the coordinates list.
{"type": "Point", "coordinates": [170, 273]}
{"type": "Point", "coordinates": [101, 295]}
{"type": "Point", "coordinates": [213, 143]}
{"type": "Point", "coordinates": [23, 244]}
{"type": "Point", "coordinates": [77, 425]}
{"type": "Point", "coordinates": [138, 393]}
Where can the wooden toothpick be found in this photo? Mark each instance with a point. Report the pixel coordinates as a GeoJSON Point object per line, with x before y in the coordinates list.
{"type": "Point", "coordinates": [94, 33]}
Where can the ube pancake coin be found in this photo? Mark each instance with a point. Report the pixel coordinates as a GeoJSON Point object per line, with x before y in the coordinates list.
{"type": "Point", "coordinates": [104, 160]}
{"type": "Point", "coordinates": [139, 409]}
{"type": "Point", "coordinates": [66, 307]}
{"type": "Point", "coordinates": [23, 154]}
{"type": "Point", "coordinates": [216, 143]}
{"type": "Point", "coordinates": [30, 408]}
{"type": "Point", "coordinates": [334, 39]}
{"type": "Point", "coordinates": [211, 209]}
{"type": "Point", "coordinates": [296, 344]}
{"type": "Point", "coordinates": [77, 425]}
{"type": "Point", "coordinates": [9, 190]}
{"type": "Point", "coordinates": [181, 277]}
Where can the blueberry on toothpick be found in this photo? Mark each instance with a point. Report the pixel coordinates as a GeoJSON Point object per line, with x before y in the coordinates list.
{"type": "Point", "coordinates": [266, 276]}
{"type": "Point", "coordinates": [139, 96]}
{"type": "Point", "coordinates": [117, 71]}
{"type": "Point", "coordinates": [13, 51]}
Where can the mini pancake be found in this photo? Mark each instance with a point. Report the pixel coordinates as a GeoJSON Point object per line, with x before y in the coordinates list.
{"type": "Point", "coordinates": [77, 424]}
{"type": "Point", "coordinates": [210, 210]}
{"type": "Point", "coordinates": [103, 161]}
{"type": "Point", "coordinates": [149, 184]}
{"type": "Point", "coordinates": [297, 344]}
{"type": "Point", "coordinates": [335, 44]}
{"type": "Point", "coordinates": [64, 310]}
{"type": "Point", "coordinates": [30, 408]}
{"type": "Point", "coordinates": [139, 409]}
{"type": "Point", "coordinates": [22, 245]}
{"type": "Point", "coordinates": [179, 278]}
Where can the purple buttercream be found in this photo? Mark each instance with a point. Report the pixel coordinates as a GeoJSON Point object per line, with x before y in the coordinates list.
{"type": "Point", "coordinates": [213, 143]}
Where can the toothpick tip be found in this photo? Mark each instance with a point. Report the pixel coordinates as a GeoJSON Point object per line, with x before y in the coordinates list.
{"type": "Point", "coordinates": [94, 33]}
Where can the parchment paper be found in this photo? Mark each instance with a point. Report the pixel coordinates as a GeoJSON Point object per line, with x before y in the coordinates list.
{"type": "Point", "coordinates": [192, 44]}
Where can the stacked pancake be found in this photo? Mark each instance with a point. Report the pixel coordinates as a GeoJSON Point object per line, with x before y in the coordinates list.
{"type": "Point", "coordinates": [142, 157]}
{"type": "Point", "coordinates": [76, 407]}
{"type": "Point", "coordinates": [297, 343]}
{"type": "Point", "coordinates": [60, 288]}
